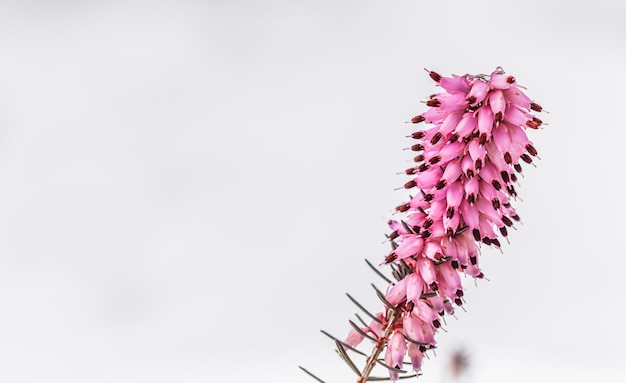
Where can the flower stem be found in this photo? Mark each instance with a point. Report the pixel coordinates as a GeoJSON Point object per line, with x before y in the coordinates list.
{"type": "Point", "coordinates": [380, 344]}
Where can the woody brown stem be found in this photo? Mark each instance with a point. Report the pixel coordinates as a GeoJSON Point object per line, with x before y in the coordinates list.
{"type": "Point", "coordinates": [380, 345]}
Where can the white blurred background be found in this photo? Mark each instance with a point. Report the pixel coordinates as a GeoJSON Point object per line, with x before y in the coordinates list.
{"type": "Point", "coordinates": [187, 188]}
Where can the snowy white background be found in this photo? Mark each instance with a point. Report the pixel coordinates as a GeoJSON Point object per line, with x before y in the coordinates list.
{"type": "Point", "coordinates": [188, 188]}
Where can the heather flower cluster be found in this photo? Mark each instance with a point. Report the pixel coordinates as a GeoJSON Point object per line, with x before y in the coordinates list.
{"type": "Point", "coordinates": [465, 172]}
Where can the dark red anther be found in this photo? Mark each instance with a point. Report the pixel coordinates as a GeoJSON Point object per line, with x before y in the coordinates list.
{"type": "Point", "coordinates": [526, 158]}
{"type": "Point", "coordinates": [471, 100]}
{"type": "Point", "coordinates": [410, 171]}
{"type": "Point", "coordinates": [394, 245]}
{"type": "Point", "coordinates": [518, 168]}
{"type": "Point", "coordinates": [458, 301]}
{"type": "Point", "coordinates": [410, 306]}
{"type": "Point", "coordinates": [434, 286]}
{"type": "Point", "coordinates": [487, 241]}
{"type": "Point", "coordinates": [483, 139]}
{"type": "Point", "coordinates": [449, 232]}
{"type": "Point", "coordinates": [495, 203]}
{"type": "Point", "coordinates": [507, 158]}
{"type": "Point", "coordinates": [440, 185]}
{"type": "Point", "coordinates": [515, 217]}
{"type": "Point", "coordinates": [507, 221]}
{"type": "Point", "coordinates": [505, 176]}
{"type": "Point", "coordinates": [417, 147]}
{"type": "Point", "coordinates": [434, 75]}
{"type": "Point", "coordinates": [434, 160]}
{"type": "Point", "coordinates": [403, 208]}
{"type": "Point", "coordinates": [476, 234]}
{"type": "Point", "coordinates": [428, 223]}
{"type": "Point", "coordinates": [531, 149]}
{"type": "Point", "coordinates": [537, 120]}
{"type": "Point", "coordinates": [419, 158]}
{"type": "Point", "coordinates": [497, 117]}
{"type": "Point", "coordinates": [478, 164]}
{"type": "Point", "coordinates": [511, 190]}
{"type": "Point", "coordinates": [436, 323]}
{"type": "Point", "coordinates": [416, 229]}
{"type": "Point", "coordinates": [418, 135]}
{"type": "Point", "coordinates": [459, 293]}
{"type": "Point", "coordinates": [394, 234]}
{"type": "Point", "coordinates": [453, 138]}
{"type": "Point", "coordinates": [507, 205]}
{"type": "Point", "coordinates": [496, 242]}
{"type": "Point", "coordinates": [418, 119]}
{"type": "Point", "coordinates": [428, 197]}
{"type": "Point", "coordinates": [503, 231]}
{"type": "Point", "coordinates": [410, 184]}
{"type": "Point", "coordinates": [496, 185]}
{"type": "Point", "coordinates": [510, 80]}
{"type": "Point", "coordinates": [423, 167]}
{"type": "Point", "coordinates": [435, 138]}
{"type": "Point", "coordinates": [470, 173]}
{"type": "Point", "coordinates": [536, 107]}
{"type": "Point", "coordinates": [471, 199]}
{"type": "Point", "coordinates": [391, 257]}
{"type": "Point", "coordinates": [438, 256]}
{"type": "Point", "coordinates": [481, 275]}
{"type": "Point", "coordinates": [425, 234]}
{"type": "Point", "coordinates": [532, 124]}
{"type": "Point", "coordinates": [513, 177]}
{"type": "Point", "coordinates": [450, 213]}
{"type": "Point", "coordinates": [433, 103]}
{"type": "Point", "coordinates": [454, 264]}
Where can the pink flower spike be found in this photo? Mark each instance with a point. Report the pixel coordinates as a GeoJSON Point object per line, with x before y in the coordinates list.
{"type": "Point", "coordinates": [463, 175]}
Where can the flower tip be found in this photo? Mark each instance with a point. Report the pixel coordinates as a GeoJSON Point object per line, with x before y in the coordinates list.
{"type": "Point", "coordinates": [434, 75]}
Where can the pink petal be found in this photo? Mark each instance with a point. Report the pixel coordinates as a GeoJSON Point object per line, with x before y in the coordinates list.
{"type": "Point", "coordinates": [497, 104]}
{"type": "Point", "coordinates": [478, 92]}
{"type": "Point", "coordinates": [454, 84]}
{"type": "Point", "coordinates": [466, 126]}
{"type": "Point", "coordinates": [414, 288]}
{"type": "Point", "coordinates": [427, 270]}
{"type": "Point", "coordinates": [354, 338]}
{"type": "Point", "coordinates": [501, 80]}
{"type": "Point", "coordinates": [396, 293]}
{"type": "Point", "coordinates": [416, 356]}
